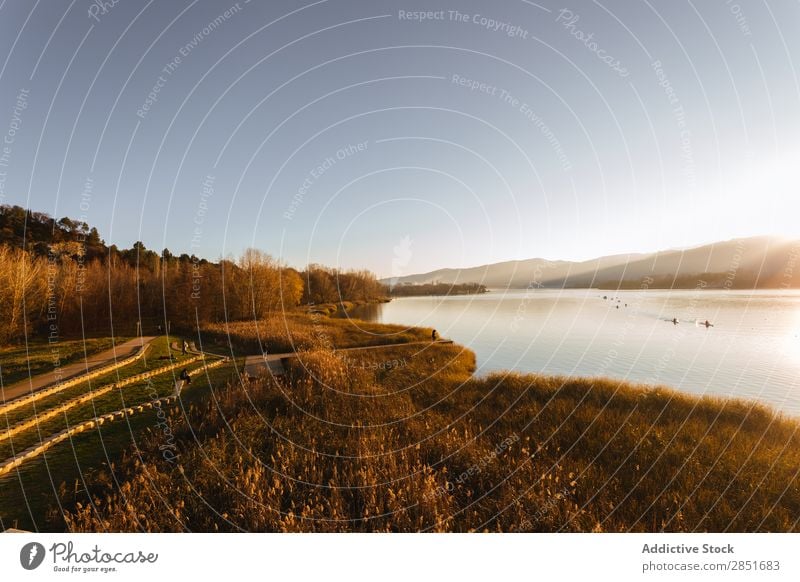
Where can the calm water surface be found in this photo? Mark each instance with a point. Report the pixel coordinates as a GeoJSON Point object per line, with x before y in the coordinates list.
{"type": "Point", "coordinates": [753, 350]}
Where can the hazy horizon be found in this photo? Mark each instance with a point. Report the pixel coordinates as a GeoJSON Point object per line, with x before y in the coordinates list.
{"type": "Point", "coordinates": [590, 257]}
{"type": "Point", "coordinates": [355, 135]}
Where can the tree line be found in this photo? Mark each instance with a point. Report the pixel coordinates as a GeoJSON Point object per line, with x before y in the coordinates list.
{"type": "Point", "coordinates": [788, 278]}
{"type": "Point", "coordinates": [413, 290]}
{"type": "Point", "coordinates": [59, 278]}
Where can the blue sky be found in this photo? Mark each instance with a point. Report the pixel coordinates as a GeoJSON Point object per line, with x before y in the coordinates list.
{"type": "Point", "coordinates": [358, 135]}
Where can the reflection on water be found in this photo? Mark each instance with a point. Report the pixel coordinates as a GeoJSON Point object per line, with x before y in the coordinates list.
{"type": "Point", "coordinates": [753, 350]}
{"type": "Point", "coordinates": [368, 312]}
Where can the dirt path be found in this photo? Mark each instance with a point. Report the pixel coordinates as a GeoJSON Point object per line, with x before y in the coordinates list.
{"type": "Point", "coordinates": [81, 367]}
{"type": "Point", "coordinates": [258, 364]}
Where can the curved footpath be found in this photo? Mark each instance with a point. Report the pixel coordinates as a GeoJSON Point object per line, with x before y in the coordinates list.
{"type": "Point", "coordinates": [30, 385]}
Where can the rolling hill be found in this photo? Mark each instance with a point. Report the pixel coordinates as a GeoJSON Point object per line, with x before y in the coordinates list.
{"type": "Point", "coordinates": [746, 263]}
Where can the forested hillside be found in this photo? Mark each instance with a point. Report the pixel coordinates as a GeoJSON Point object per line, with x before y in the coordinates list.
{"type": "Point", "coordinates": [59, 278]}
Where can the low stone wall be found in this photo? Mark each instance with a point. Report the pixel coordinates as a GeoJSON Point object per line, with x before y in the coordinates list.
{"type": "Point", "coordinates": [36, 450]}
{"type": "Point", "coordinates": [45, 392]}
{"type": "Point", "coordinates": [53, 412]}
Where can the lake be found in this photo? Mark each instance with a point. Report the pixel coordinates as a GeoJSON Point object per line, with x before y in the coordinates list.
{"type": "Point", "coordinates": [752, 351]}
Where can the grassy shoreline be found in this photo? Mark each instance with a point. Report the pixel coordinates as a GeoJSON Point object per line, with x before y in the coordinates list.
{"type": "Point", "coordinates": [407, 439]}
{"type": "Point", "coordinates": [291, 332]}
{"type": "Point", "coordinates": [341, 308]}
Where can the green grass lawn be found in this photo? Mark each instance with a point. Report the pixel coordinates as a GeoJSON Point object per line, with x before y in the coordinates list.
{"type": "Point", "coordinates": [159, 354]}
{"type": "Point", "coordinates": [28, 495]}
{"type": "Point", "coordinates": [125, 397]}
{"type": "Point", "coordinates": [38, 357]}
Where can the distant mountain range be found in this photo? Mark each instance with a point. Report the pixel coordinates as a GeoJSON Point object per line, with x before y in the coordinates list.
{"type": "Point", "coordinates": [747, 263]}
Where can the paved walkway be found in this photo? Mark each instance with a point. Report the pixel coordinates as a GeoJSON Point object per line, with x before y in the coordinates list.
{"type": "Point", "coordinates": [257, 364]}
{"type": "Point", "coordinates": [119, 352]}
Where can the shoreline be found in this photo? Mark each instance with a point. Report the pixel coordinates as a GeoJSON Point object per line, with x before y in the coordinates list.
{"type": "Point", "coordinates": [598, 438]}
{"type": "Point", "coordinates": [578, 446]}
{"type": "Point", "coordinates": [693, 385]}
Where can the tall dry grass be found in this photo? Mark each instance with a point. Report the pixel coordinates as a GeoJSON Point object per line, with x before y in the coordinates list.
{"type": "Point", "coordinates": [289, 332]}
{"type": "Point", "coordinates": [405, 439]}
